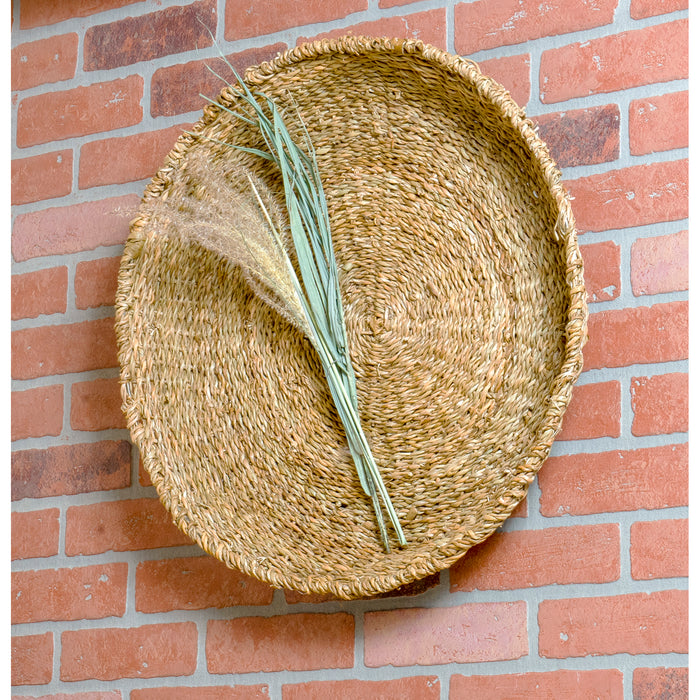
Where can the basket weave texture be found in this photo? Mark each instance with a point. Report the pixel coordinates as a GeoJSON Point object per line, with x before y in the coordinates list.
{"type": "Point", "coordinates": [462, 283]}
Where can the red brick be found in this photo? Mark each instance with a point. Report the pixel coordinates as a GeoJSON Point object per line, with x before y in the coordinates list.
{"type": "Point", "coordinates": [604, 684]}
{"type": "Point", "coordinates": [144, 477]}
{"type": "Point", "coordinates": [660, 684]}
{"type": "Point", "coordinates": [413, 688]}
{"type": "Point", "coordinates": [601, 270]}
{"type": "Point", "coordinates": [594, 412]}
{"type": "Point", "coordinates": [659, 549]}
{"type": "Point", "coordinates": [37, 412]}
{"type": "Point", "coordinates": [219, 692]}
{"type": "Point", "coordinates": [299, 642]}
{"type": "Point", "coordinates": [32, 659]}
{"type": "Point", "coordinates": [120, 526]}
{"type": "Point", "coordinates": [658, 123]}
{"type": "Point", "coordinates": [96, 282]}
{"type": "Point", "coordinates": [176, 89]}
{"type": "Point", "coordinates": [44, 61]}
{"type": "Point", "coordinates": [131, 158]}
{"type": "Point", "coordinates": [144, 652]}
{"type": "Point", "coordinates": [52, 116]}
{"type": "Point", "coordinates": [195, 583]}
{"type": "Point", "coordinates": [71, 469]}
{"type": "Point", "coordinates": [84, 593]}
{"type": "Point", "coordinates": [529, 558]}
{"type": "Point", "coordinates": [642, 194]}
{"type": "Point", "coordinates": [513, 72]}
{"type": "Point", "coordinates": [582, 136]}
{"type": "Point", "coordinates": [640, 9]}
{"type": "Point", "coordinates": [40, 292]}
{"type": "Point", "coordinates": [244, 22]}
{"type": "Point", "coordinates": [637, 623]}
{"type": "Point", "coordinates": [147, 37]}
{"type": "Point", "coordinates": [429, 26]}
{"type": "Point", "coordinates": [42, 177]}
{"type": "Point", "coordinates": [660, 264]}
{"type": "Point", "coordinates": [654, 54]}
{"type": "Point", "coordinates": [96, 405]}
{"type": "Point", "coordinates": [660, 404]}
{"type": "Point", "coordinates": [653, 477]}
{"type": "Point", "coordinates": [62, 230]}
{"type": "Point", "coordinates": [35, 534]}
{"type": "Point", "coordinates": [394, 3]}
{"type": "Point", "coordinates": [464, 634]}
{"type": "Point", "coordinates": [38, 13]}
{"type": "Point", "coordinates": [65, 348]}
{"type": "Point", "coordinates": [485, 25]}
{"type": "Point", "coordinates": [646, 334]}
{"type": "Point", "coordinates": [97, 695]}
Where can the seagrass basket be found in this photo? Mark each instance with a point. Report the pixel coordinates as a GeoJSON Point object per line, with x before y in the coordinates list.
{"type": "Point", "coordinates": [462, 283]}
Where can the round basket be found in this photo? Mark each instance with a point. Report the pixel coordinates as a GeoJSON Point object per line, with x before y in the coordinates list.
{"type": "Point", "coordinates": [462, 283]}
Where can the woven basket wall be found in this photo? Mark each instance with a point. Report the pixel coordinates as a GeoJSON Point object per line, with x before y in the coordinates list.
{"type": "Point", "coordinates": [463, 288]}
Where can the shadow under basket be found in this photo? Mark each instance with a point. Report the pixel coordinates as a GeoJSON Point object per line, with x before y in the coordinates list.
{"type": "Point", "coordinates": [462, 284]}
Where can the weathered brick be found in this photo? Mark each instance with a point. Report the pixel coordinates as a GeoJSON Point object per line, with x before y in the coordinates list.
{"type": "Point", "coordinates": [644, 623]}
{"type": "Point", "coordinates": [413, 688]}
{"type": "Point", "coordinates": [147, 37]}
{"type": "Point", "coordinates": [621, 61]}
{"type": "Point", "coordinates": [429, 26]}
{"type": "Point", "coordinates": [601, 270]}
{"type": "Point", "coordinates": [62, 230]}
{"type": "Point", "coordinates": [38, 13]}
{"type": "Point", "coordinates": [529, 558]}
{"type": "Point", "coordinates": [298, 642]}
{"type": "Point", "coordinates": [44, 61]}
{"type": "Point", "coordinates": [513, 72]}
{"type": "Point", "coordinates": [195, 583]}
{"type": "Point", "coordinates": [120, 526]}
{"type": "Point", "coordinates": [96, 405]}
{"type": "Point", "coordinates": [241, 22]}
{"type": "Point", "coordinates": [659, 549]}
{"type": "Point", "coordinates": [642, 194]}
{"type": "Point", "coordinates": [604, 684]}
{"type": "Point", "coordinates": [219, 692]}
{"type": "Point", "coordinates": [394, 3]}
{"type": "Point", "coordinates": [466, 633]}
{"type": "Point", "coordinates": [35, 534]}
{"type": "Point", "coordinates": [485, 25]}
{"type": "Point", "coordinates": [83, 593]}
{"type": "Point", "coordinates": [653, 477]}
{"type": "Point", "coordinates": [40, 292]}
{"type": "Point", "coordinates": [639, 9]}
{"type": "Point", "coordinates": [60, 349]}
{"type": "Point", "coordinates": [96, 282]}
{"type": "Point", "coordinates": [644, 334]}
{"type": "Point", "coordinates": [97, 695]}
{"type": "Point", "coordinates": [130, 158]}
{"type": "Point", "coordinates": [594, 412]}
{"type": "Point", "coordinates": [177, 89]}
{"type": "Point", "coordinates": [660, 404]}
{"type": "Point", "coordinates": [52, 116]}
{"type": "Point", "coordinates": [144, 477]}
{"type": "Point", "coordinates": [42, 177]}
{"type": "Point", "coordinates": [658, 123]}
{"type": "Point", "coordinates": [149, 651]}
{"type": "Point", "coordinates": [71, 469]}
{"type": "Point", "coordinates": [32, 659]}
{"type": "Point", "coordinates": [660, 264]}
{"type": "Point", "coordinates": [660, 684]}
{"type": "Point", "coordinates": [582, 136]}
{"type": "Point", "coordinates": [37, 412]}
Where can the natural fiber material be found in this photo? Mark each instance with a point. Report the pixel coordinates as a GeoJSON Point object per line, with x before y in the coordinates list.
{"type": "Point", "coordinates": [462, 284]}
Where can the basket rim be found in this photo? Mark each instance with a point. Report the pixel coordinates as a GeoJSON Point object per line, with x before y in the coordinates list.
{"type": "Point", "coordinates": [575, 327]}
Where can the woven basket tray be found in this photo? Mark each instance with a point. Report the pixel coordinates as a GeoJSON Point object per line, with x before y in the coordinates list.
{"type": "Point", "coordinates": [463, 288]}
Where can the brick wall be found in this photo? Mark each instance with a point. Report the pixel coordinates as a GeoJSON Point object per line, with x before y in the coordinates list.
{"type": "Point", "coordinates": [582, 595]}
